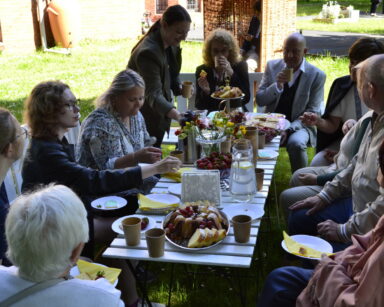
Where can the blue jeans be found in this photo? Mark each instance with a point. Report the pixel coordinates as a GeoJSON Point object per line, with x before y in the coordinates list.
{"type": "Point", "coordinates": [283, 286]}
{"type": "Point", "coordinates": [339, 211]}
{"type": "Point", "coordinates": [297, 149]}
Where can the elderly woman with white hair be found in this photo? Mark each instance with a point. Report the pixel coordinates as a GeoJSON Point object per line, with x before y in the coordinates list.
{"type": "Point", "coordinates": [46, 231]}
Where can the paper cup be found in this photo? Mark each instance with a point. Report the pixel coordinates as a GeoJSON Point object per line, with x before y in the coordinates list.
{"type": "Point", "coordinates": [132, 230]}
{"type": "Point", "coordinates": [155, 238]}
{"type": "Point", "coordinates": [289, 73]}
{"type": "Point", "coordinates": [259, 172]}
{"type": "Point", "coordinates": [261, 140]}
{"type": "Point", "coordinates": [186, 89]}
{"type": "Point", "coordinates": [179, 154]}
{"type": "Point", "coordinates": [242, 228]}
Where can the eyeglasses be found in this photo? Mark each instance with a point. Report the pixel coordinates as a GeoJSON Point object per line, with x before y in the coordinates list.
{"type": "Point", "coordinates": [72, 105]}
{"type": "Point", "coordinates": [24, 132]}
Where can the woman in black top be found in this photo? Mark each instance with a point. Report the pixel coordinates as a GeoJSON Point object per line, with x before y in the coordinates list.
{"type": "Point", "coordinates": [222, 63]}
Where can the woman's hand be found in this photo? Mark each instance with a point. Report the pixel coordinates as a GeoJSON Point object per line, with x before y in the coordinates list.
{"type": "Point", "coordinates": [348, 125]}
{"type": "Point", "coordinates": [204, 85]}
{"type": "Point", "coordinates": [168, 165]}
{"type": "Point", "coordinates": [174, 114]}
{"type": "Point", "coordinates": [309, 119]}
{"type": "Point", "coordinates": [148, 155]}
{"type": "Point", "coordinates": [308, 179]}
{"type": "Point", "coordinates": [222, 65]}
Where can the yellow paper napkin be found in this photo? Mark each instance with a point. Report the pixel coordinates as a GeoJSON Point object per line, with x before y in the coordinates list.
{"type": "Point", "coordinates": [89, 271]}
{"type": "Point", "coordinates": [301, 249]}
{"type": "Point", "coordinates": [177, 175]}
{"type": "Point", "coordinates": [146, 203]}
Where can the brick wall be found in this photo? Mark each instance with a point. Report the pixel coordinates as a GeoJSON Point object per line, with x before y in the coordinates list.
{"type": "Point", "coordinates": [17, 26]}
{"type": "Point", "coordinates": [99, 19]}
{"type": "Point", "coordinates": [111, 19]}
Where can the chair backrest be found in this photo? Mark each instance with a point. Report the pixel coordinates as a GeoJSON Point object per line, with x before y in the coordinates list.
{"type": "Point", "coordinates": [184, 104]}
{"type": "Point", "coordinates": [13, 180]}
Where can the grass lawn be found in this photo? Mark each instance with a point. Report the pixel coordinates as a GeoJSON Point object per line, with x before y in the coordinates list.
{"type": "Point", "coordinates": [364, 25]}
{"type": "Point", "coordinates": [313, 7]}
{"type": "Point", "coordinates": [89, 71]}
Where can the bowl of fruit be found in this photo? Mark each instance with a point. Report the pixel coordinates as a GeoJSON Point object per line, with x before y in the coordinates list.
{"type": "Point", "coordinates": [219, 161]}
{"type": "Point", "coordinates": [195, 226]}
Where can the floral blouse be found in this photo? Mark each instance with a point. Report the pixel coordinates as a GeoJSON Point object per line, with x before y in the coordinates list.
{"type": "Point", "coordinates": [104, 138]}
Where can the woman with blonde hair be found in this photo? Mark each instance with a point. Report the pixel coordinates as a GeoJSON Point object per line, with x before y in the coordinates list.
{"type": "Point", "coordinates": [114, 135]}
{"type": "Point", "coordinates": [222, 65]}
{"type": "Point", "coordinates": [12, 137]}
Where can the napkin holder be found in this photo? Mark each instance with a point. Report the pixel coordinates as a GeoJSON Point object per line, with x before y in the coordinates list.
{"type": "Point", "coordinates": [201, 185]}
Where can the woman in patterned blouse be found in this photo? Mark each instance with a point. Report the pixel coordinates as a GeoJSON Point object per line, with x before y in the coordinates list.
{"type": "Point", "coordinates": [114, 135]}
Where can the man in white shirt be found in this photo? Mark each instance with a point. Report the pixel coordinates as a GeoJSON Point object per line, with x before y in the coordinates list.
{"type": "Point", "coordinates": [292, 86]}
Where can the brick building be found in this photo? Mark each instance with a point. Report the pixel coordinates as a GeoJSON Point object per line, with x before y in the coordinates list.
{"type": "Point", "coordinates": [112, 19]}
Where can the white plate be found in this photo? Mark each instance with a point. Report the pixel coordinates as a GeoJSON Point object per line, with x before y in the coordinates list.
{"type": "Point", "coordinates": [166, 219]}
{"type": "Point", "coordinates": [103, 202]}
{"type": "Point", "coordinates": [116, 225]}
{"type": "Point", "coordinates": [175, 189]}
{"type": "Point", "coordinates": [254, 211]}
{"type": "Point", "coordinates": [164, 198]}
{"type": "Point", "coordinates": [75, 271]}
{"type": "Point", "coordinates": [312, 242]}
{"type": "Point", "coordinates": [267, 154]}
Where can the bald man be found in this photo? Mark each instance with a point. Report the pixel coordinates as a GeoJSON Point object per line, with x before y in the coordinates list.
{"type": "Point", "coordinates": [304, 92]}
{"type": "Point", "coordinates": [344, 279]}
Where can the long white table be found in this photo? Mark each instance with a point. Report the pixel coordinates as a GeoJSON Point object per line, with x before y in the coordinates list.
{"type": "Point", "coordinates": [228, 253]}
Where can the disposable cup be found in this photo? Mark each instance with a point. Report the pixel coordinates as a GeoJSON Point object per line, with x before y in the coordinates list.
{"type": "Point", "coordinates": [132, 230]}
{"type": "Point", "coordinates": [242, 228]}
{"type": "Point", "coordinates": [155, 242]}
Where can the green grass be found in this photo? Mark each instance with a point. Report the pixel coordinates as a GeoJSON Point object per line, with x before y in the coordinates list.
{"type": "Point", "coordinates": [88, 71]}
{"type": "Point", "coordinates": [313, 7]}
{"type": "Point", "coordinates": [364, 25]}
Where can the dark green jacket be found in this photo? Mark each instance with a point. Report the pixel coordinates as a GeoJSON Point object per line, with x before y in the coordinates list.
{"type": "Point", "coordinates": [149, 59]}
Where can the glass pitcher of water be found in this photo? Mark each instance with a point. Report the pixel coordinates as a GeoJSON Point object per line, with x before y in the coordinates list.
{"type": "Point", "coordinates": [242, 182]}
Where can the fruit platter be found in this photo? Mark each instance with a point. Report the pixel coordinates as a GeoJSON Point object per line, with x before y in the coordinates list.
{"type": "Point", "coordinates": [267, 120]}
{"type": "Point", "coordinates": [220, 161]}
{"type": "Point", "coordinates": [228, 92]}
{"type": "Point", "coordinates": [196, 226]}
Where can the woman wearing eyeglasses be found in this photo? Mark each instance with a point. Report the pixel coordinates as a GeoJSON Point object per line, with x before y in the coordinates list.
{"type": "Point", "coordinates": [50, 111]}
{"type": "Point", "coordinates": [12, 137]}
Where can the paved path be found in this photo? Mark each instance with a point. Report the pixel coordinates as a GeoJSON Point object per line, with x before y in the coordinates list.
{"type": "Point", "coordinates": [319, 42]}
{"type": "Point", "coordinates": [333, 43]}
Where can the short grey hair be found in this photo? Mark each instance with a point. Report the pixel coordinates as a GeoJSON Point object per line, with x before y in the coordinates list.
{"type": "Point", "coordinates": [123, 81]}
{"type": "Point", "coordinates": [374, 71]}
{"type": "Point", "coordinates": [42, 229]}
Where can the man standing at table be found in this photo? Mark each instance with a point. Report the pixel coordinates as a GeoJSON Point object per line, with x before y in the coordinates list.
{"type": "Point", "coordinates": [292, 86]}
